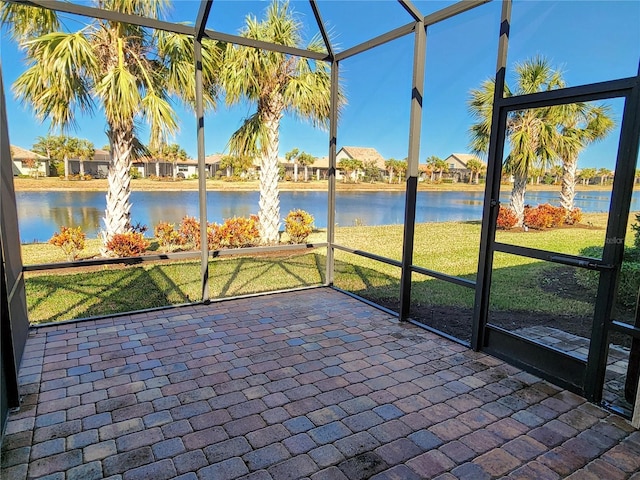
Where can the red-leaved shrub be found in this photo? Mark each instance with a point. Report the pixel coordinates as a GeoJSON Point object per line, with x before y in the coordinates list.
{"type": "Point", "coordinates": [70, 240]}
{"type": "Point", "coordinates": [190, 230]}
{"type": "Point", "coordinates": [167, 235]}
{"type": "Point", "coordinates": [573, 217]}
{"type": "Point", "coordinates": [506, 218]}
{"type": "Point", "coordinates": [543, 216]}
{"type": "Point", "coordinates": [127, 244]}
{"type": "Point", "coordinates": [237, 232]}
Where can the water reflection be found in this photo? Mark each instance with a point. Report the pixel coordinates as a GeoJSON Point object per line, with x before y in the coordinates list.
{"type": "Point", "coordinates": [40, 214]}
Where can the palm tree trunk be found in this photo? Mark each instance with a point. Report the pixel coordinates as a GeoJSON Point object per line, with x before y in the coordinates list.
{"type": "Point", "coordinates": [295, 172]}
{"type": "Point", "coordinates": [568, 191]}
{"type": "Point", "coordinates": [306, 173]}
{"type": "Point", "coordinates": [66, 168]}
{"type": "Point", "coordinates": [517, 197]}
{"type": "Point", "coordinates": [269, 213]}
{"type": "Point", "coordinates": [158, 169]}
{"type": "Point", "coordinates": [117, 217]}
{"type": "Point", "coordinates": [81, 169]}
{"type": "Point", "coordinates": [175, 170]}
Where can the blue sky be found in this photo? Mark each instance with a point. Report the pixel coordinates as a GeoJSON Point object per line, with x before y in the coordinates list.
{"type": "Point", "coordinates": [590, 41]}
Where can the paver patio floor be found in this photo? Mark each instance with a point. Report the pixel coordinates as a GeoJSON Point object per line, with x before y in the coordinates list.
{"type": "Point", "coordinates": [309, 384]}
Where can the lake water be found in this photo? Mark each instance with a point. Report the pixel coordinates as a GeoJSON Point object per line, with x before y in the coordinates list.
{"type": "Point", "coordinates": [40, 214]}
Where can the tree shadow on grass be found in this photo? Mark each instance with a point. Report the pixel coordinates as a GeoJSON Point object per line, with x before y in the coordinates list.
{"type": "Point", "coordinates": [64, 297]}
{"type": "Point", "coordinates": [248, 275]}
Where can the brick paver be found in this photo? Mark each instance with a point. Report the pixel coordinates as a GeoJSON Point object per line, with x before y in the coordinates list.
{"type": "Point", "coordinates": [311, 384]}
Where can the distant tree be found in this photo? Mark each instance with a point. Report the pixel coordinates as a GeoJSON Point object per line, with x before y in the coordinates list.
{"type": "Point", "coordinates": [84, 151]}
{"type": "Point", "coordinates": [371, 171]}
{"type": "Point", "coordinates": [604, 174]}
{"type": "Point", "coordinates": [392, 167]}
{"type": "Point", "coordinates": [556, 173]}
{"type": "Point", "coordinates": [59, 148]}
{"type": "Point", "coordinates": [531, 133]}
{"type": "Point", "coordinates": [580, 125]}
{"type": "Point", "coordinates": [401, 169]}
{"type": "Point", "coordinates": [174, 153]}
{"type": "Point", "coordinates": [125, 71]}
{"type": "Point", "coordinates": [586, 174]}
{"type": "Point", "coordinates": [441, 167]}
{"type": "Point", "coordinates": [350, 167]}
{"type": "Point", "coordinates": [276, 84]}
{"type": "Point", "coordinates": [432, 163]}
{"type": "Point", "coordinates": [305, 159]}
{"type": "Point", "coordinates": [475, 166]}
{"type": "Point", "coordinates": [236, 165]}
{"type": "Point", "coordinates": [33, 164]}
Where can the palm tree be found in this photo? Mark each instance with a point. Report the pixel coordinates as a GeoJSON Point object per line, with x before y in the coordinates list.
{"type": "Point", "coordinates": [392, 167]}
{"type": "Point", "coordinates": [432, 163]}
{"type": "Point", "coordinates": [401, 169]}
{"type": "Point", "coordinates": [126, 69]}
{"type": "Point", "coordinates": [587, 174]}
{"type": "Point", "coordinates": [173, 153]}
{"type": "Point", "coordinates": [441, 167]}
{"type": "Point", "coordinates": [604, 174]}
{"type": "Point", "coordinates": [556, 173]}
{"type": "Point", "coordinates": [84, 151]}
{"type": "Point", "coordinates": [350, 167]}
{"type": "Point", "coordinates": [305, 159]}
{"type": "Point", "coordinates": [475, 167]}
{"type": "Point", "coordinates": [292, 156]}
{"type": "Point", "coordinates": [276, 83]}
{"type": "Point", "coordinates": [582, 124]}
{"type": "Point", "coordinates": [58, 148]}
{"type": "Point", "coordinates": [531, 133]}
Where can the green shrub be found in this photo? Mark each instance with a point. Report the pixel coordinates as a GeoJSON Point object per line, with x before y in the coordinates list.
{"type": "Point", "coordinates": [636, 231]}
{"type": "Point", "coordinates": [134, 173]}
{"type": "Point", "coordinates": [70, 240]}
{"type": "Point", "coordinates": [128, 244]}
{"type": "Point", "coordinates": [298, 224]}
{"type": "Point", "coordinates": [629, 281]}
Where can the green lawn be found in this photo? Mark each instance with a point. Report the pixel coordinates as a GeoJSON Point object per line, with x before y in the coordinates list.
{"type": "Point", "coordinates": [450, 248]}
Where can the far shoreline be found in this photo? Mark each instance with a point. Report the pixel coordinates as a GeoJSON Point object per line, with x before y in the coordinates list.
{"type": "Point", "coordinates": [53, 184]}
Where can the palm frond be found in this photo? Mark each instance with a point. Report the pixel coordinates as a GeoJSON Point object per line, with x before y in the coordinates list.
{"type": "Point", "coordinates": [24, 21]}
{"type": "Point", "coordinates": [60, 77]}
{"type": "Point", "coordinates": [118, 90]}
{"type": "Point", "coordinates": [250, 139]}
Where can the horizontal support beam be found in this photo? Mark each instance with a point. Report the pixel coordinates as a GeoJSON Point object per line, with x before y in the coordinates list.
{"type": "Point", "coordinates": [377, 41]}
{"type": "Point", "coordinates": [111, 15]}
{"type": "Point", "coordinates": [452, 11]}
{"type": "Point", "coordinates": [195, 254]}
{"type": "Point", "coordinates": [561, 258]}
{"type": "Point", "coordinates": [372, 256]}
{"type": "Point", "coordinates": [462, 282]}
{"type": "Point", "coordinates": [581, 93]}
{"type": "Point", "coordinates": [272, 47]}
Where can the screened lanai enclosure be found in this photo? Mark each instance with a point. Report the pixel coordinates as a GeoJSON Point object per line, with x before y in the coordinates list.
{"type": "Point", "coordinates": [549, 302]}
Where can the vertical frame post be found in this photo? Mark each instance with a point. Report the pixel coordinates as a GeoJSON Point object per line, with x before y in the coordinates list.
{"type": "Point", "coordinates": [614, 248]}
{"type": "Point", "coordinates": [331, 199]}
{"type": "Point", "coordinates": [202, 178]}
{"type": "Point", "coordinates": [413, 159]}
{"type": "Point", "coordinates": [491, 205]}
